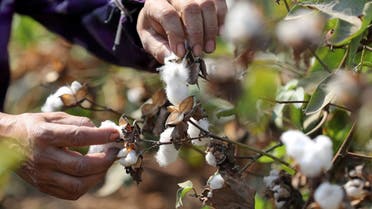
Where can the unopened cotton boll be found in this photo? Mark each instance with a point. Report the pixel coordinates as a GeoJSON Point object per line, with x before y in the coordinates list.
{"type": "Point", "coordinates": [130, 159]}
{"type": "Point", "coordinates": [216, 181]}
{"type": "Point", "coordinates": [167, 153]}
{"type": "Point", "coordinates": [243, 22]}
{"type": "Point", "coordinates": [329, 196]}
{"type": "Point", "coordinates": [303, 27]}
{"type": "Point", "coordinates": [354, 189]}
{"type": "Point", "coordinates": [211, 159]}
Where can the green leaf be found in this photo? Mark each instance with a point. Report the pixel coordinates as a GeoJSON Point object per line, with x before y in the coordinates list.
{"type": "Point", "coordinates": [206, 207]}
{"type": "Point", "coordinates": [226, 113]}
{"type": "Point", "coordinates": [278, 152]}
{"type": "Point", "coordinates": [181, 192]}
{"type": "Point", "coordinates": [320, 98]}
{"type": "Point", "coordinates": [348, 13]}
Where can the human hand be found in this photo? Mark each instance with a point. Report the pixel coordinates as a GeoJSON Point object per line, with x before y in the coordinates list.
{"type": "Point", "coordinates": [50, 165]}
{"type": "Point", "coordinates": [164, 26]}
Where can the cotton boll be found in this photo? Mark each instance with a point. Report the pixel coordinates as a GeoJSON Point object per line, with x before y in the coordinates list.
{"type": "Point", "coordinates": [216, 181]}
{"type": "Point", "coordinates": [122, 153]}
{"type": "Point", "coordinates": [75, 86]}
{"type": "Point", "coordinates": [329, 196]}
{"type": "Point", "coordinates": [304, 27]}
{"type": "Point", "coordinates": [354, 189]}
{"type": "Point", "coordinates": [54, 102]}
{"type": "Point", "coordinates": [211, 159]}
{"type": "Point", "coordinates": [130, 159]}
{"type": "Point", "coordinates": [324, 151]}
{"type": "Point", "coordinates": [136, 94]}
{"type": "Point", "coordinates": [175, 76]}
{"type": "Point", "coordinates": [194, 131]}
{"type": "Point", "coordinates": [110, 124]}
{"type": "Point", "coordinates": [295, 142]}
{"type": "Point", "coordinates": [176, 93]}
{"type": "Point", "coordinates": [167, 153]}
{"type": "Point", "coordinates": [243, 22]}
{"type": "Point", "coordinates": [269, 180]}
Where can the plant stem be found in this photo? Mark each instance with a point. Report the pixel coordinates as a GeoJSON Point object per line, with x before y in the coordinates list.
{"type": "Point", "coordinates": [254, 159]}
{"type": "Point", "coordinates": [286, 5]}
{"type": "Point", "coordinates": [358, 155]}
{"type": "Point", "coordinates": [319, 60]}
{"type": "Point", "coordinates": [245, 146]}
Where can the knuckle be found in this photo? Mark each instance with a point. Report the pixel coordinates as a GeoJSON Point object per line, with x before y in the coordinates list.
{"type": "Point", "coordinates": [40, 134]}
{"type": "Point", "coordinates": [84, 121]}
{"type": "Point", "coordinates": [77, 136]}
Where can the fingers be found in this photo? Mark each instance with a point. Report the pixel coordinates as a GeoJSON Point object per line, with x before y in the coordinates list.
{"type": "Point", "coordinates": [221, 8]}
{"type": "Point", "coordinates": [76, 164]}
{"type": "Point", "coordinates": [152, 41]}
{"type": "Point", "coordinates": [65, 186]}
{"type": "Point", "coordinates": [168, 19]}
{"type": "Point", "coordinates": [61, 135]}
{"type": "Point", "coordinates": [210, 24]}
{"type": "Point", "coordinates": [192, 18]}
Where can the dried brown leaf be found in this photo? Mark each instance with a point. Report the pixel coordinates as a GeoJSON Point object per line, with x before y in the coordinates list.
{"type": "Point", "coordinates": [175, 118]}
{"type": "Point", "coordinates": [149, 109]}
{"type": "Point", "coordinates": [186, 105]}
{"type": "Point", "coordinates": [68, 100]}
{"type": "Point", "coordinates": [81, 94]}
{"type": "Point", "coordinates": [159, 98]}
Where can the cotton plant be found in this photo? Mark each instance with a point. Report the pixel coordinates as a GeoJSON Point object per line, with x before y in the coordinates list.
{"type": "Point", "coordinates": [313, 156]}
{"type": "Point", "coordinates": [290, 92]}
{"type": "Point", "coordinates": [64, 96]}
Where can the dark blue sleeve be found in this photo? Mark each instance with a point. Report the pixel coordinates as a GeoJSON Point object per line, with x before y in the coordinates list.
{"type": "Point", "coordinates": [84, 22]}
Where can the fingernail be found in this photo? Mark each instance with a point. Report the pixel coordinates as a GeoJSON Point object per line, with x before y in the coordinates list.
{"type": "Point", "coordinates": [114, 135]}
{"type": "Point", "coordinates": [180, 50]}
{"type": "Point", "coordinates": [197, 49]}
{"type": "Point", "coordinates": [210, 46]}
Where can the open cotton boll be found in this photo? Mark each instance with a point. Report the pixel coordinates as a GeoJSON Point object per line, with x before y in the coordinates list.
{"type": "Point", "coordinates": [216, 181]}
{"type": "Point", "coordinates": [242, 23]}
{"type": "Point", "coordinates": [354, 189]}
{"type": "Point", "coordinates": [303, 26]}
{"type": "Point", "coordinates": [175, 76]}
{"type": "Point", "coordinates": [194, 131]}
{"type": "Point", "coordinates": [211, 159]}
{"type": "Point", "coordinates": [110, 124]}
{"type": "Point", "coordinates": [269, 180]}
{"type": "Point", "coordinates": [130, 159]}
{"type": "Point", "coordinates": [167, 153]}
{"type": "Point", "coordinates": [54, 102]}
{"type": "Point", "coordinates": [75, 86]}
{"type": "Point", "coordinates": [295, 141]}
{"type": "Point", "coordinates": [329, 196]}
{"type": "Point", "coordinates": [104, 147]}
{"type": "Point", "coordinates": [176, 93]}
{"type": "Point", "coordinates": [122, 153]}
